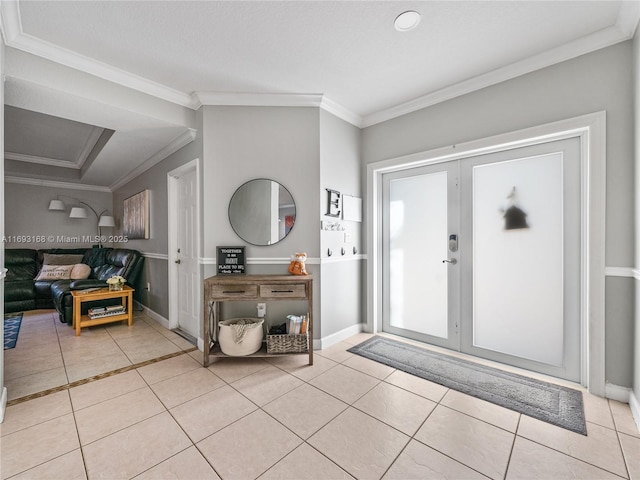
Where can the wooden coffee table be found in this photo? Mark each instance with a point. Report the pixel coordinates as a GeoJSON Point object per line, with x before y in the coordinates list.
{"type": "Point", "coordinates": [81, 296]}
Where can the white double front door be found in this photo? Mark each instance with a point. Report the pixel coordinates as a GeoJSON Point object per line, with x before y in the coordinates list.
{"type": "Point", "coordinates": [482, 255]}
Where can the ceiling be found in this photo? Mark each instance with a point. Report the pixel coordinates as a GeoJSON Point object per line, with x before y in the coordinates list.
{"type": "Point", "coordinates": [124, 78]}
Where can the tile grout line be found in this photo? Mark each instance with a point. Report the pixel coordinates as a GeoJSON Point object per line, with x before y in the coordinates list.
{"type": "Point", "coordinates": [94, 378]}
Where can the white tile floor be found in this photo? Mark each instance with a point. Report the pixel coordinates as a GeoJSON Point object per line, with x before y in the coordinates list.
{"type": "Point", "coordinates": [48, 354]}
{"type": "Point", "coordinates": [345, 417]}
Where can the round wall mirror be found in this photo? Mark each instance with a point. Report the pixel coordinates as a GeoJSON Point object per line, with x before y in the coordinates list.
{"type": "Point", "coordinates": [262, 212]}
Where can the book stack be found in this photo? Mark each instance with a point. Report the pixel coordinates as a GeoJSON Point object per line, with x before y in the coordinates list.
{"type": "Point", "coordinates": [99, 312]}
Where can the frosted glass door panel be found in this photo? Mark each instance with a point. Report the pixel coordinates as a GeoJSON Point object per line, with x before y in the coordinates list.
{"type": "Point", "coordinates": [418, 279]}
{"type": "Point", "coordinates": [518, 265]}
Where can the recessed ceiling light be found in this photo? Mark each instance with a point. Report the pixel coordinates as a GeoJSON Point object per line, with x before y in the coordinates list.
{"type": "Point", "coordinates": [407, 21]}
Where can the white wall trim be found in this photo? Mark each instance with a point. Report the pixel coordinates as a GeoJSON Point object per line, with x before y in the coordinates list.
{"type": "Point", "coordinates": [623, 30]}
{"type": "Point", "coordinates": [156, 256]}
{"type": "Point", "coordinates": [262, 261]}
{"type": "Point", "coordinates": [278, 100]}
{"type": "Point", "coordinates": [260, 99]}
{"type": "Point", "coordinates": [618, 393]}
{"type": "Point", "coordinates": [634, 405]}
{"type": "Point", "coordinates": [591, 130]}
{"type": "Point", "coordinates": [287, 260]}
{"type": "Point", "coordinates": [19, 157]}
{"type": "Point", "coordinates": [329, 340]}
{"type": "Point", "coordinates": [636, 273]}
{"type": "Point", "coordinates": [56, 184]}
{"type": "Point", "coordinates": [3, 403]}
{"type": "Point", "coordinates": [154, 315]}
{"type": "Point", "coordinates": [619, 272]}
{"type": "Point", "coordinates": [340, 259]}
{"type": "Point", "coordinates": [179, 142]}
{"type": "Point", "coordinates": [15, 37]}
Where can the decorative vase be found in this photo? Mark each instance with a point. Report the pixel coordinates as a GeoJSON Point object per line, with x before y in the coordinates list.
{"type": "Point", "coordinates": [114, 287]}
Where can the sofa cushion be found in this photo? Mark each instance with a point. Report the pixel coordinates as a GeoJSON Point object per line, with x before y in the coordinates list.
{"type": "Point", "coordinates": [20, 290]}
{"type": "Point", "coordinates": [80, 271]}
{"type": "Point", "coordinates": [21, 264]}
{"type": "Point", "coordinates": [118, 262]}
{"type": "Point", "coordinates": [61, 259]}
{"type": "Point", "coordinates": [55, 272]}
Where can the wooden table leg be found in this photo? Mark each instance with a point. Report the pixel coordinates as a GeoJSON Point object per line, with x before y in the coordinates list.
{"type": "Point", "coordinates": [130, 307]}
{"type": "Point", "coordinates": [76, 315]}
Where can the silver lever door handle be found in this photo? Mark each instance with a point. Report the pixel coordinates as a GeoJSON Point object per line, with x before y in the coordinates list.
{"type": "Point", "coordinates": [452, 261]}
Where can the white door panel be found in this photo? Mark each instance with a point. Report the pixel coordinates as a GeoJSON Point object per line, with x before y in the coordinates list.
{"type": "Point", "coordinates": [514, 295]}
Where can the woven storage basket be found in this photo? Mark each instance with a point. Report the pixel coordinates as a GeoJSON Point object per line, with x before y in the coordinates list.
{"type": "Point", "coordinates": [288, 343]}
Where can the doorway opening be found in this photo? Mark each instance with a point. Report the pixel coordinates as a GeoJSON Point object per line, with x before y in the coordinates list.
{"type": "Point", "coordinates": [467, 161]}
{"type": "Point", "coordinates": [184, 249]}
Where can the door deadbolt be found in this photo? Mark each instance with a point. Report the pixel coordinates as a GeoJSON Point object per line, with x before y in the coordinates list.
{"type": "Point", "coordinates": [453, 243]}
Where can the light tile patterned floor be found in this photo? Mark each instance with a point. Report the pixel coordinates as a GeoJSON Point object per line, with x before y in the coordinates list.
{"type": "Point", "coordinates": [345, 417]}
{"type": "Point", "coordinates": [48, 354]}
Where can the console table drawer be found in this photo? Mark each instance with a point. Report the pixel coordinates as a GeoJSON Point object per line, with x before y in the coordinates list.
{"type": "Point", "coordinates": [234, 291]}
{"type": "Point", "coordinates": [296, 290]}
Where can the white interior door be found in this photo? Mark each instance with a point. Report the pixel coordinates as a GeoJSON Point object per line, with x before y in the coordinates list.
{"type": "Point", "coordinates": [520, 232]}
{"type": "Point", "coordinates": [514, 294]}
{"type": "Point", "coordinates": [188, 287]}
{"type": "Point", "coordinates": [421, 287]}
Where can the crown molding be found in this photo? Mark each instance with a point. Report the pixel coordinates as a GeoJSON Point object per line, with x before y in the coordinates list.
{"type": "Point", "coordinates": [340, 111]}
{"type": "Point", "coordinates": [10, 24]}
{"type": "Point", "coordinates": [259, 99]}
{"type": "Point", "coordinates": [186, 138]}
{"type": "Point", "coordinates": [277, 100]}
{"type": "Point", "coordinates": [623, 30]}
{"type": "Point", "coordinates": [15, 37]}
{"type": "Point", "coordinates": [54, 162]}
{"type": "Point", "coordinates": [56, 184]}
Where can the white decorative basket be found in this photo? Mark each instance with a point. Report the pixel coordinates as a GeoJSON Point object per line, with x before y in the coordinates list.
{"type": "Point", "coordinates": [251, 341]}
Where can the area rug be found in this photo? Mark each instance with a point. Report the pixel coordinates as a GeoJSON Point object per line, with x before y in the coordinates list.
{"type": "Point", "coordinates": [550, 403]}
{"type": "Point", "coordinates": [12, 322]}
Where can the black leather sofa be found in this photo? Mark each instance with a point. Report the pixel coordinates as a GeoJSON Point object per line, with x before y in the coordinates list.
{"type": "Point", "coordinates": [22, 291]}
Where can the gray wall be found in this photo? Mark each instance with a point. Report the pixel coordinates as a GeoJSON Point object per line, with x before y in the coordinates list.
{"type": "Point", "coordinates": [155, 270]}
{"type": "Point", "coordinates": [598, 81]}
{"type": "Point", "coordinates": [341, 283]}
{"type": "Point", "coordinates": [28, 214]}
{"type": "Point", "coordinates": [243, 143]}
{"type": "Point", "coordinates": [279, 143]}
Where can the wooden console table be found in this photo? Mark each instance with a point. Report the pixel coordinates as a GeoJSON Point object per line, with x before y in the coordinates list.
{"type": "Point", "coordinates": [253, 288]}
{"type": "Point", "coordinates": [81, 296]}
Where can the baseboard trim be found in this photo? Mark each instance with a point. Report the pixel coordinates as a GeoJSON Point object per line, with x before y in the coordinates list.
{"type": "Point", "coordinates": [329, 340]}
{"type": "Point", "coordinates": [616, 392]}
{"type": "Point", "coordinates": [155, 316]}
{"type": "Point", "coordinates": [164, 322]}
{"type": "Point", "coordinates": [634, 404]}
{"type": "Point", "coordinates": [3, 403]}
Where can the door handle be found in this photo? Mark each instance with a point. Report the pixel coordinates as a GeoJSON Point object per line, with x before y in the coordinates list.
{"type": "Point", "coordinates": [178, 261]}
{"type": "Point", "coordinates": [452, 261]}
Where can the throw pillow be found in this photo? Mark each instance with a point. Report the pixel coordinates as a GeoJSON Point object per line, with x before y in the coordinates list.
{"type": "Point", "coordinates": [80, 271]}
{"type": "Point", "coordinates": [55, 272]}
{"type": "Point", "coordinates": [61, 259]}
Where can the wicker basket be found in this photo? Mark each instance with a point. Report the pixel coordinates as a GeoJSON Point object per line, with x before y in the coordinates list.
{"type": "Point", "coordinates": [288, 343]}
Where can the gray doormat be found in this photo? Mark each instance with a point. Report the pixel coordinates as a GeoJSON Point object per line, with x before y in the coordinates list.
{"type": "Point", "coordinates": [550, 403]}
